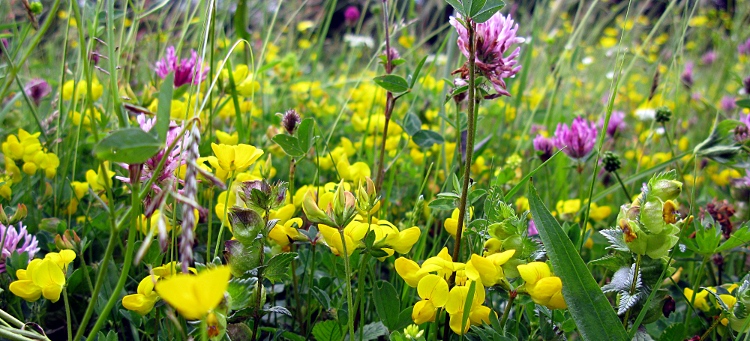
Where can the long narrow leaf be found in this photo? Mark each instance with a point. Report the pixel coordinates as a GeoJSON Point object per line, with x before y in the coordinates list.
{"type": "Point", "coordinates": [595, 318]}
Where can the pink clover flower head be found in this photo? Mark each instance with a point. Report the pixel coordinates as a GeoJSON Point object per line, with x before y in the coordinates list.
{"type": "Point", "coordinates": [495, 57]}
{"type": "Point", "coordinates": [10, 238]}
{"type": "Point", "coordinates": [616, 123]}
{"type": "Point", "coordinates": [728, 103]}
{"type": "Point", "coordinates": [351, 15]}
{"type": "Point", "coordinates": [544, 145]}
{"type": "Point", "coordinates": [579, 138]}
{"type": "Point", "coordinates": [186, 71]}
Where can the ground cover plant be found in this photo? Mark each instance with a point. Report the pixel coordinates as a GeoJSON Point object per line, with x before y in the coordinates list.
{"type": "Point", "coordinates": [374, 170]}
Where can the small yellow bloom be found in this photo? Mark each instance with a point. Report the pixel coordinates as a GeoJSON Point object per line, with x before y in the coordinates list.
{"type": "Point", "coordinates": [409, 271]}
{"type": "Point", "coordinates": [235, 158]}
{"type": "Point", "coordinates": [195, 296]}
{"type": "Point", "coordinates": [228, 139]}
{"type": "Point", "coordinates": [143, 301]}
{"type": "Point", "coordinates": [701, 301]}
{"type": "Point", "coordinates": [433, 290]}
{"type": "Point", "coordinates": [42, 277]}
{"type": "Point", "coordinates": [543, 288]}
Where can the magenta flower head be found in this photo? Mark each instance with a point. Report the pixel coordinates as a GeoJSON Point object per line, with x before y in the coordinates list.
{"type": "Point", "coordinates": [579, 138]}
{"type": "Point", "coordinates": [746, 85]}
{"type": "Point", "coordinates": [616, 123]}
{"type": "Point", "coordinates": [533, 231]}
{"type": "Point", "coordinates": [544, 146]}
{"type": "Point", "coordinates": [37, 89]}
{"type": "Point", "coordinates": [744, 48]}
{"type": "Point", "coordinates": [186, 71]}
{"type": "Point", "coordinates": [10, 238]}
{"type": "Point", "coordinates": [728, 103]}
{"type": "Point", "coordinates": [687, 75]}
{"type": "Point", "coordinates": [351, 15]}
{"type": "Point", "coordinates": [709, 57]}
{"type": "Point", "coordinates": [495, 38]}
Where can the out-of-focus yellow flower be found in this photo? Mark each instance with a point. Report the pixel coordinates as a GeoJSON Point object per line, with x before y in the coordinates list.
{"type": "Point", "coordinates": [195, 296]}
{"type": "Point", "coordinates": [228, 139]}
{"type": "Point", "coordinates": [701, 299]}
{"type": "Point", "coordinates": [79, 92]}
{"type": "Point", "coordinates": [99, 180]}
{"type": "Point", "coordinates": [451, 224]}
{"type": "Point", "coordinates": [568, 209]}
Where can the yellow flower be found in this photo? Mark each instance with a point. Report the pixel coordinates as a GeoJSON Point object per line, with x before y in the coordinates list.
{"type": "Point", "coordinates": [235, 158]}
{"type": "Point", "coordinates": [433, 290]}
{"type": "Point", "coordinates": [543, 288]}
{"type": "Point", "coordinates": [700, 301]}
{"type": "Point", "coordinates": [284, 234]}
{"type": "Point", "coordinates": [353, 234]}
{"type": "Point", "coordinates": [81, 91]}
{"type": "Point", "coordinates": [195, 296]}
{"type": "Point", "coordinates": [568, 209]}
{"type": "Point", "coordinates": [729, 301]}
{"type": "Point", "coordinates": [599, 213]}
{"type": "Point", "coordinates": [443, 264]}
{"type": "Point", "coordinates": [62, 259]}
{"type": "Point", "coordinates": [97, 180]}
{"type": "Point", "coordinates": [170, 269]}
{"type": "Point", "coordinates": [228, 139]}
{"type": "Point", "coordinates": [42, 277]}
{"type": "Point", "coordinates": [152, 223]}
{"type": "Point", "coordinates": [451, 224]}
{"type": "Point", "coordinates": [143, 301]}
{"type": "Point", "coordinates": [409, 271]}
{"type": "Point", "coordinates": [488, 270]}
{"type": "Point", "coordinates": [477, 312]}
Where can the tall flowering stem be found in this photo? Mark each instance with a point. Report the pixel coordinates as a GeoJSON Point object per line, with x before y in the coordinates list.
{"type": "Point", "coordinates": [390, 101]}
{"type": "Point", "coordinates": [471, 27]}
{"type": "Point", "coordinates": [191, 192]}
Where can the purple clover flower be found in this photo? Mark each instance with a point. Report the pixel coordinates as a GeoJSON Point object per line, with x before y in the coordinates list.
{"type": "Point", "coordinates": [579, 138]}
{"type": "Point", "coordinates": [533, 231]}
{"type": "Point", "coordinates": [744, 48]}
{"type": "Point", "coordinates": [616, 123]}
{"type": "Point", "coordinates": [186, 71]}
{"type": "Point", "coordinates": [495, 38]}
{"type": "Point", "coordinates": [728, 103]}
{"type": "Point", "coordinates": [37, 89]}
{"type": "Point", "coordinates": [709, 57]}
{"type": "Point", "coordinates": [687, 75]}
{"type": "Point", "coordinates": [10, 239]}
{"type": "Point", "coordinates": [545, 146]}
{"type": "Point", "coordinates": [351, 15]}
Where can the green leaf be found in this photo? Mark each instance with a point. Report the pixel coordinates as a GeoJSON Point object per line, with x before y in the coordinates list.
{"type": "Point", "coordinates": [306, 134]}
{"type": "Point", "coordinates": [392, 83]}
{"type": "Point", "coordinates": [467, 304]}
{"type": "Point", "coordinates": [517, 187]}
{"type": "Point", "coordinates": [164, 109]}
{"type": "Point", "coordinates": [416, 72]}
{"type": "Point", "coordinates": [595, 318]}
{"type": "Point", "coordinates": [386, 304]}
{"type": "Point", "coordinates": [426, 138]}
{"type": "Point", "coordinates": [738, 238]}
{"type": "Point", "coordinates": [278, 267]}
{"type": "Point", "coordinates": [457, 5]}
{"type": "Point", "coordinates": [488, 10]}
{"type": "Point", "coordinates": [743, 103]}
{"type": "Point", "coordinates": [289, 144]}
{"type": "Point", "coordinates": [443, 204]}
{"type": "Point", "coordinates": [128, 145]}
{"type": "Point", "coordinates": [412, 124]}
{"type": "Point", "coordinates": [328, 330]}
{"type": "Point", "coordinates": [474, 6]}
{"type": "Point", "coordinates": [371, 331]}
{"type": "Point", "coordinates": [240, 293]}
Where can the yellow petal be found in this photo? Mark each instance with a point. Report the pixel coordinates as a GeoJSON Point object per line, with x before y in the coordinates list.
{"type": "Point", "coordinates": [534, 271]}
{"type": "Point", "coordinates": [26, 289]}
{"type": "Point", "coordinates": [146, 286]}
{"type": "Point", "coordinates": [482, 269]}
{"type": "Point", "coordinates": [456, 299]}
{"type": "Point", "coordinates": [405, 240]}
{"type": "Point", "coordinates": [141, 304]}
{"type": "Point", "coordinates": [194, 296]}
{"type": "Point", "coordinates": [434, 288]}
{"type": "Point", "coordinates": [424, 311]}
{"type": "Point", "coordinates": [407, 269]}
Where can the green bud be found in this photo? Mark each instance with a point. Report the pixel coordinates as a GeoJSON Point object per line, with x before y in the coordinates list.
{"type": "Point", "coordinates": [313, 212]}
{"type": "Point", "coordinates": [242, 258]}
{"type": "Point", "coordinates": [666, 189]}
{"type": "Point", "coordinates": [36, 7]}
{"type": "Point", "coordinates": [246, 224]}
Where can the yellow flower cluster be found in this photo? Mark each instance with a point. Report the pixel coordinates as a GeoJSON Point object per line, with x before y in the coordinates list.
{"type": "Point", "coordinates": [543, 288]}
{"type": "Point", "coordinates": [43, 277]}
{"type": "Point", "coordinates": [387, 236]}
{"type": "Point", "coordinates": [25, 149]}
{"type": "Point", "coordinates": [142, 302]}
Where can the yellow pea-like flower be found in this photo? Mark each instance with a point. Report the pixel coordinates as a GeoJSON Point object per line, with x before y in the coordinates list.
{"type": "Point", "coordinates": [142, 302]}
{"type": "Point", "coordinates": [195, 296]}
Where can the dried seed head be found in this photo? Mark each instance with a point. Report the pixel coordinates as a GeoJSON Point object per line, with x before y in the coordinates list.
{"type": "Point", "coordinates": [290, 121]}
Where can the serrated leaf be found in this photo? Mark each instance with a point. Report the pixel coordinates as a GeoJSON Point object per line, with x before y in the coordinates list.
{"type": "Point", "coordinates": [279, 310]}
{"type": "Point", "coordinates": [740, 237]}
{"type": "Point", "coordinates": [393, 83]}
{"type": "Point", "coordinates": [386, 302]}
{"type": "Point", "coordinates": [306, 134]}
{"type": "Point", "coordinates": [610, 262]}
{"type": "Point", "coordinates": [412, 124]}
{"type": "Point", "coordinates": [328, 330]}
{"type": "Point", "coordinates": [277, 268]}
{"type": "Point", "coordinates": [322, 297]}
{"type": "Point", "coordinates": [455, 92]}
{"type": "Point", "coordinates": [128, 145]}
{"type": "Point", "coordinates": [488, 10]}
{"type": "Point", "coordinates": [240, 292]}
{"type": "Point", "coordinates": [615, 238]}
{"type": "Point", "coordinates": [595, 318]}
{"type": "Point", "coordinates": [427, 138]}
{"type": "Point", "coordinates": [289, 144]}
{"type": "Point", "coordinates": [164, 108]}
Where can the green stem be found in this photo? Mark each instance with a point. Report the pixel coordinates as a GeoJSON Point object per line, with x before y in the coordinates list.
{"type": "Point", "coordinates": [513, 294]}
{"type": "Point", "coordinates": [67, 314]}
{"type": "Point", "coordinates": [713, 325]}
{"type": "Point", "coordinates": [390, 101]}
{"type": "Point", "coordinates": [622, 185]}
{"type": "Point", "coordinates": [310, 283]}
{"type": "Point", "coordinates": [696, 285]}
{"type": "Point", "coordinates": [259, 285]}
{"type": "Point", "coordinates": [224, 218]}
{"type": "Point", "coordinates": [348, 270]}
{"type": "Point", "coordinates": [361, 276]}
{"type": "Point", "coordinates": [633, 287]}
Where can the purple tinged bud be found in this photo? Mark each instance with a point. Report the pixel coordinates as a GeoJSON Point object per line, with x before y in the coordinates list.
{"type": "Point", "coordinates": [579, 138]}
{"type": "Point", "coordinates": [744, 48]}
{"type": "Point", "coordinates": [532, 228]}
{"type": "Point", "coordinates": [290, 120]}
{"type": "Point", "coordinates": [186, 71]}
{"type": "Point", "coordinates": [687, 75]}
{"type": "Point", "coordinates": [545, 146]}
{"type": "Point", "coordinates": [37, 89]}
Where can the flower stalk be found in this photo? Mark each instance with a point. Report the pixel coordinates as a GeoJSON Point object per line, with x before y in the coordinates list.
{"type": "Point", "coordinates": [390, 101]}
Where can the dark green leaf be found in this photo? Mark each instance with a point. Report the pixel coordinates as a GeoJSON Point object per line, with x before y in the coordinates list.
{"type": "Point", "coordinates": [278, 266]}
{"type": "Point", "coordinates": [468, 303]}
{"type": "Point", "coordinates": [321, 297]}
{"type": "Point", "coordinates": [240, 292]}
{"type": "Point", "coordinates": [488, 10]}
{"type": "Point", "coordinates": [404, 318]}
{"type": "Point", "coordinates": [455, 92]}
{"type": "Point", "coordinates": [517, 187]}
{"type": "Point", "coordinates": [594, 316]}
{"type": "Point", "coordinates": [457, 5]}
{"type": "Point", "coordinates": [474, 6]}
{"type": "Point", "coordinates": [372, 331]}
{"type": "Point", "coordinates": [443, 204]}
{"type": "Point", "coordinates": [392, 83]}
{"type": "Point", "coordinates": [426, 138]}
{"type": "Point", "coordinates": [328, 330]}
{"type": "Point", "coordinates": [740, 237]}
{"type": "Point", "coordinates": [412, 124]}
{"type": "Point", "coordinates": [305, 134]}
{"type": "Point", "coordinates": [128, 145]}
{"type": "Point", "coordinates": [386, 304]}
{"type": "Point", "coordinates": [164, 109]}
{"type": "Point", "coordinates": [289, 144]}
{"type": "Point", "coordinates": [744, 103]}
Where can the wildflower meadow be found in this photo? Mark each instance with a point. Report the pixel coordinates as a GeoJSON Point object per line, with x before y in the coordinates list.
{"type": "Point", "coordinates": [374, 170]}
